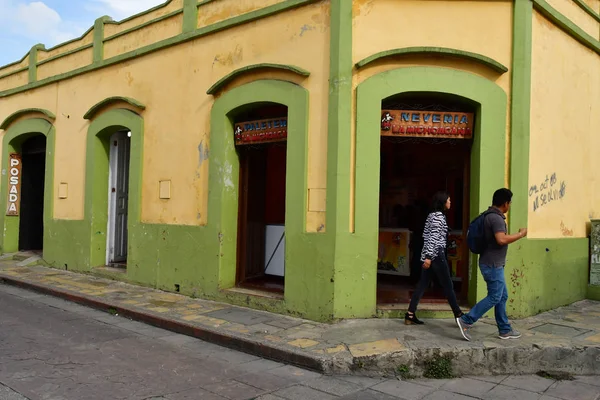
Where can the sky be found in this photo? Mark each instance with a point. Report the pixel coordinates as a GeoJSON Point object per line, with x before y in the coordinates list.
{"type": "Point", "coordinates": [50, 22]}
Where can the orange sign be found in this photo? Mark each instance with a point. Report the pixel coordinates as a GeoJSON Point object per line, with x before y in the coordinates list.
{"type": "Point", "coordinates": [261, 131]}
{"type": "Point", "coordinates": [14, 184]}
{"type": "Point", "coordinates": [433, 124]}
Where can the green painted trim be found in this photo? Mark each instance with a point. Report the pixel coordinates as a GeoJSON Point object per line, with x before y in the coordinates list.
{"type": "Point", "coordinates": [11, 142]}
{"type": "Point", "coordinates": [566, 25]}
{"type": "Point", "coordinates": [18, 114]}
{"type": "Point", "coordinates": [251, 68]}
{"type": "Point", "coordinates": [148, 11]}
{"type": "Point", "coordinates": [143, 25]}
{"type": "Point", "coordinates": [98, 42]}
{"type": "Point", "coordinates": [14, 62]}
{"type": "Point", "coordinates": [582, 4]}
{"type": "Point", "coordinates": [190, 15]}
{"type": "Point", "coordinates": [339, 165]}
{"type": "Point", "coordinates": [520, 111]}
{"type": "Point", "coordinates": [184, 37]}
{"type": "Point", "coordinates": [91, 113]}
{"type": "Point", "coordinates": [487, 161]}
{"type": "Point", "coordinates": [96, 179]}
{"type": "Point", "coordinates": [33, 55]}
{"type": "Point", "coordinates": [67, 53]}
{"type": "Point", "coordinates": [15, 72]}
{"type": "Point", "coordinates": [437, 51]}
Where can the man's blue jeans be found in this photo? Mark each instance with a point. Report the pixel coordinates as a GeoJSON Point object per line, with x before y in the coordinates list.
{"type": "Point", "coordinates": [496, 297]}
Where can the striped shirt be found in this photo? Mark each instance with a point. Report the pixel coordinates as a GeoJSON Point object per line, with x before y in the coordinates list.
{"type": "Point", "coordinates": [435, 235]}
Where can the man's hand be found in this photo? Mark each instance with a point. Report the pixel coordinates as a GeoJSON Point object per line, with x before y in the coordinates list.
{"type": "Point", "coordinates": [426, 264]}
{"type": "Point", "coordinates": [523, 232]}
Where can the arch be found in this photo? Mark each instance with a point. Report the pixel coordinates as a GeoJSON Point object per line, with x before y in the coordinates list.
{"type": "Point", "coordinates": [224, 173]}
{"type": "Point", "coordinates": [91, 113]}
{"type": "Point", "coordinates": [249, 68]}
{"type": "Point", "coordinates": [18, 114]}
{"type": "Point", "coordinates": [437, 51]}
{"type": "Point", "coordinates": [97, 172]}
{"type": "Point", "coordinates": [14, 137]}
{"type": "Point", "coordinates": [487, 154]}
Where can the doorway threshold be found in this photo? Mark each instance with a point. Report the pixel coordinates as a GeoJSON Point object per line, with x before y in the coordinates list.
{"type": "Point", "coordinates": [425, 310]}
{"type": "Point", "coordinates": [256, 292]}
{"type": "Point", "coordinates": [110, 272]}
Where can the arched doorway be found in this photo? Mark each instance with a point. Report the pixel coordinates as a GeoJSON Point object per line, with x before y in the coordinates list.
{"type": "Point", "coordinates": [426, 141]}
{"type": "Point", "coordinates": [32, 181]}
{"type": "Point", "coordinates": [260, 134]}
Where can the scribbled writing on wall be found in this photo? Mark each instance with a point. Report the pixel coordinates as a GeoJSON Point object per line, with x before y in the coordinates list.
{"type": "Point", "coordinates": [547, 191]}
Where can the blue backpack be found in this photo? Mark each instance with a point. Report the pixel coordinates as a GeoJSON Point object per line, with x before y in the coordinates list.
{"type": "Point", "coordinates": [476, 234]}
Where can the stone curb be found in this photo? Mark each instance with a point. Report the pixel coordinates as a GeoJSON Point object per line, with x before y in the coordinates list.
{"type": "Point", "coordinates": [530, 359]}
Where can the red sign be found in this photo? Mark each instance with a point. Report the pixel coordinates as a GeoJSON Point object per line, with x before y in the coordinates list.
{"type": "Point", "coordinates": [261, 131]}
{"type": "Point", "coordinates": [433, 124]}
{"type": "Point", "coordinates": [14, 184]}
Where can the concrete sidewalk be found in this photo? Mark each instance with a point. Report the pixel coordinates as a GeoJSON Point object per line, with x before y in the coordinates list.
{"type": "Point", "coordinates": [562, 340]}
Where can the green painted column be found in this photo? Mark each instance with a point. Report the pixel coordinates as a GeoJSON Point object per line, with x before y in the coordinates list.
{"type": "Point", "coordinates": [190, 15]}
{"type": "Point", "coordinates": [99, 37]}
{"type": "Point", "coordinates": [33, 61]}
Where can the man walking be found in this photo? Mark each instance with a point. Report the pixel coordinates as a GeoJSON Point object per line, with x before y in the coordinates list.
{"type": "Point", "coordinates": [491, 264]}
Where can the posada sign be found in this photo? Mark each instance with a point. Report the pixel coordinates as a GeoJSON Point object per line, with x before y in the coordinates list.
{"type": "Point", "coordinates": [261, 131]}
{"type": "Point", "coordinates": [14, 184]}
{"type": "Point", "coordinates": [434, 124]}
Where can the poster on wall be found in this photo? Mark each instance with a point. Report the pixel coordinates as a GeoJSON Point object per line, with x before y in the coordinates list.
{"type": "Point", "coordinates": [261, 131]}
{"type": "Point", "coordinates": [393, 257]}
{"type": "Point", "coordinates": [455, 251]}
{"type": "Point", "coordinates": [14, 184]}
{"type": "Point", "coordinates": [432, 124]}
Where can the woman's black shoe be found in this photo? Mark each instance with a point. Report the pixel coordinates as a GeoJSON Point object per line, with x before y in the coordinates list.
{"type": "Point", "coordinates": [411, 319]}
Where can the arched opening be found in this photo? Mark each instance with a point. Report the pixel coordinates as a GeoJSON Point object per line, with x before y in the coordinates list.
{"type": "Point", "coordinates": [29, 202]}
{"type": "Point", "coordinates": [260, 136]}
{"type": "Point", "coordinates": [425, 147]}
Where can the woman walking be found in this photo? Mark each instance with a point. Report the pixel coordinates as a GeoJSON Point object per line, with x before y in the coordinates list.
{"type": "Point", "coordinates": [433, 257]}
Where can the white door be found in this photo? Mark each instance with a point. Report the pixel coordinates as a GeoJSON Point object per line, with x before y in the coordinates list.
{"type": "Point", "coordinates": [118, 197]}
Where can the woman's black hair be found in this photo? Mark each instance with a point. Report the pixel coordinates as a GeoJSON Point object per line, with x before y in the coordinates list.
{"type": "Point", "coordinates": [439, 201]}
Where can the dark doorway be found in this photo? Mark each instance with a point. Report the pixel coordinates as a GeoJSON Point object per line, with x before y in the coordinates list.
{"type": "Point", "coordinates": [31, 223]}
{"type": "Point", "coordinates": [261, 218]}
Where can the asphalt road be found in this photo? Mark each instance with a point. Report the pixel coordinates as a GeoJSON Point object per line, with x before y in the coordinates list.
{"type": "Point", "coordinates": [55, 350]}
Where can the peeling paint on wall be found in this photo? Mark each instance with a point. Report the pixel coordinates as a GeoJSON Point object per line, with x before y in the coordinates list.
{"type": "Point", "coordinates": [203, 153]}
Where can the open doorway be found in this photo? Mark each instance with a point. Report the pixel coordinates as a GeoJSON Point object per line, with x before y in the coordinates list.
{"type": "Point", "coordinates": [31, 220]}
{"type": "Point", "coordinates": [118, 198]}
{"type": "Point", "coordinates": [261, 143]}
{"type": "Point", "coordinates": [425, 147]}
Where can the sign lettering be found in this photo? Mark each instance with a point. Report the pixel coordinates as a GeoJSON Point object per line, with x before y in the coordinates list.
{"type": "Point", "coordinates": [14, 184]}
{"type": "Point", "coordinates": [261, 131]}
{"type": "Point", "coordinates": [433, 124]}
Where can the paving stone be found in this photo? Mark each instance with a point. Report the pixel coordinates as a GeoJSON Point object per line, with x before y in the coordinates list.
{"type": "Point", "coordinates": [363, 381]}
{"type": "Point", "coordinates": [194, 394]}
{"type": "Point", "coordinates": [369, 395]}
{"type": "Point", "coordinates": [234, 390]}
{"type": "Point", "coordinates": [299, 392]}
{"type": "Point", "coordinates": [508, 393]}
{"type": "Point", "coordinates": [284, 323]}
{"type": "Point", "coordinates": [269, 397]}
{"type": "Point", "coordinates": [443, 395]}
{"type": "Point", "coordinates": [491, 379]}
{"type": "Point", "coordinates": [377, 347]}
{"type": "Point", "coordinates": [260, 365]}
{"type": "Point", "coordinates": [546, 397]}
{"type": "Point", "coordinates": [333, 386]}
{"type": "Point", "coordinates": [7, 393]}
{"type": "Point", "coordinates": [532, 383]}
{"type": "Point", "coordinates": [573, 390]}
{"type": "Point", "coordinates": [265, 381]}
{"type": "Point", "coordinates": [560, 330]}
{"type": "Point", "coordinates": [264, 328]}
{"type": "Point", "coordinates": [590, 380]}
{"type": "Point", "coordinates": [402, 389]}
{"type": "Point", "coordinates": [234, 357]}
{"type": "Point", "coordinates": [294, 373]}
{"type": "Point", "coordinates": [240, 316]}
{"type": "Point", "coordinates": [177, 340]}
{"type": "Point", "coordinates": [468, 387]}
{"type": "Point", "coordinates": [434, 383]}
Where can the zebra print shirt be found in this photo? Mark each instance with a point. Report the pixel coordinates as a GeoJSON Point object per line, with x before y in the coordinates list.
{"type": "Point", "coordinates": [435, 235]}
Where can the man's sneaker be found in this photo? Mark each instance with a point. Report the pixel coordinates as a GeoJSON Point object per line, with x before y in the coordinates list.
{"type": "Point", "coordinates": [513, 334]}
{"type": "Point", "coordinates": [464, 328]}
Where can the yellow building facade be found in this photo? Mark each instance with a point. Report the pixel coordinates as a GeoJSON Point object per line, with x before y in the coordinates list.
{"type": "Point", "coordinates": [236, 150]}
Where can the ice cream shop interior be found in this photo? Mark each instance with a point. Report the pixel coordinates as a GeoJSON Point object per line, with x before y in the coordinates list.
{"type": "Point", "coordinates": [283, 154]}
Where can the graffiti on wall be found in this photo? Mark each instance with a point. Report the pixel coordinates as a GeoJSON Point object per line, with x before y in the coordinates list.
{"type": "Point", "coordinates": [548, 191]}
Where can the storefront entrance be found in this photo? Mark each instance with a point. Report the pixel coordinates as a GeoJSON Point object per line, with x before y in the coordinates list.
{"type": "Point", "coordinates": [31, 221]}
{"type": "Point", "coordinates": [425, 148]}
{"type": "Point", "coordinates": [261, 143]}
{"type": "Point", "coordinates": [118, 187]}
